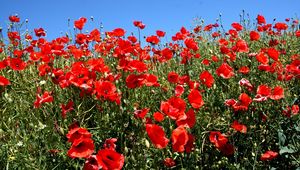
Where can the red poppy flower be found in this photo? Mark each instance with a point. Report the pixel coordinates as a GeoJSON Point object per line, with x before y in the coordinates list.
{"type": "Point", "coordinates": [4, 63]}
{"type": "Point", "coordinates": [297, 33]}
{"type": "Point", "coordinates": [133, 39]}
{"type": "Point", "coordinates": [169, 162]}
{"type": "Point", "coordinates": [214, 58]}
{"type": "Point", "coordinates": [184, 31]}
{"type": "Point", "coordinates": [14, 18]}
{"type": "Point", "coordinates": [160, 33]}
{"type": "Point", "coordinates": [139, 24]}
{"type": "Point", "coordinates": [17, 64]}
{"type": "Point", "coordinates": [264, 90]}
{"type": "Point", "coordinates": [66, 108]}
{"type": "Point", "coordinates": [39, 32]}
{"type": "Point", "coordinates": [215, 34]}
{"type": "Point", "coordinates": [153, 39]}
{"type": "Point", "coordinates": [280, 26]}
{"type": "Point", "coordinates": [193, 84]}
{"type": "Point", "coordinates": [239, 127]}
{"type": "Point", "coordinates": [273, 53]}
{"type": "Point", "coordinates": [191, 44]}
{"type": "Point", "coordinates": [254, 36]}
{"type": "Point", "coordinates": [151, 80]}
{"type": "Point", "coordinates": [287, 112]}
{"type": "Point", "coordinates": [206, 78]}
{"type": "Point", "coordinates": [242, 46]}
{"type": "Point", "coordinates": [13, 36]}
{"type": "Point", "coordinates": [186, 55]}
{"type": "Point", "coordinates": [195, 99]}
{"type": "Point", "coordinates": [141, 113]}
{"type": "Point", "coordinates": [118, 32]}
{"type": "Point", "coordinates": [295, 109]}
{"type": "Point", "coordinates": [174, 108]}
{"type": "Point", "coordinates": [44, 69]}
{"type": "Point", "coordinates": [277, 93]}
{"type": "Point", "coordinates": [260, 20]}
{"type": "Point", "coordinates": [220, 141]}
{"type": "Point", "coordinates": [205, 62]}
{"type": "Point", "coordinates": [157, 136]}
{"type": "Point", "coordinates": [178, 36]}
{"type": "Point", "coordinates": [91, 163]}
{"type": "Point", "coordinates": [173, 77]}
{"type": "Point", "coordinates": [18, 53]}
{"type": "Point", "coordinates": [4, 81]}
{"type": "Point", "coordinates": [294, 67]}
{"type": "Point", "coordinates": [98, 65]}
{"type": "Point", "coordinates": [166, 55]}
{"type": "Point", "coordinates": [35, 56]}
{"type": "Point", "coordinates": [110, 143]}
{"type": "Point", "coordinates": [81, 39]}
{"type": "Point", "coordinates": [232, 56]}
{"type": "Point", "coordinates": [208, 27]}
{"type": "Point", "coordinates": [233, 34]}
{"type": "Point", "coordinates": [245, 99]}
{"type": "Point", "coordinates": [189, 120]}
{"type": "Point", "coordinates": [237, 26]}
{"type": "Point", "coordinates": [225, 71]}
{"type": "Point", "coordinates": [273, 42]}
{"type": "Point", "coordinates": [142, 26]}
{"type": "Point", "coordinates": [217, 139]}
{"type": "Point", "coordinates": [133, 81]}
{"type": "Point", "coordinates": [107, 90]}
{"type": "Point", "coordinates": [158, 116]}
{"type": "Point", "coordinates": [262, 58]}
{"type": "Point", "coordinates": [95, 35]}
{"type": "Point", "coordinates": [263, 93]}
{"type": "Point", "coordinates": [179, 90]}
{"type": "Point", "coordinates": [223, 42]}
{"type": "Point", "coordinates": [81, 148]}
{"type": "Point", "coordinates": [268, 155]}
{"type": "Point", "coordinates": [137, 65]}
{"type": "Point", "coordinates": [184, 79]}
{"type": "Point", "coordinates": [197, 29]}
{"type": "Point", "coordinates": [79, 24]}
{"type": "Point", "coordinates": [179, 139]}
{"type": "Point", "coordinates": [242, 105]}
{"type": "Point", "coordinates": [246, 83]}
{"type": "Point", "coordinates": [76, 133]}
{"type": "Point", "coordinates": [57, 74]}
{"type": "Point", "coordinates": [244, 70]}
{"type": "Point", "coordinates": [45, 98]}
{"type": "Point", "coordinates": [110, 159]}
{"type": "Point", "coordinates": [230, 102]}
{"type": "Point", "coordinates": [224, 50]}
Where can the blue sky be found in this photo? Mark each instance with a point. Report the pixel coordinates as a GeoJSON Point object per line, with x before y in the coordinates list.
{"type": "Point", "coordinates": [168, 15]}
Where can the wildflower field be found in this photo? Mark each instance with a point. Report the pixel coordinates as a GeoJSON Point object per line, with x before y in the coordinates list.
{"type": "Point", "coordinates": [209, 99]}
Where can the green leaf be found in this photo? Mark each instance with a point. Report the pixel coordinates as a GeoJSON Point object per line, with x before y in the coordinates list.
{"type": "Point", "coordinates": [281, 137]}
{"type": "Point", "coordinates": [297, 128]}
{"type": "Point", "coordinates": [286, 150]}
